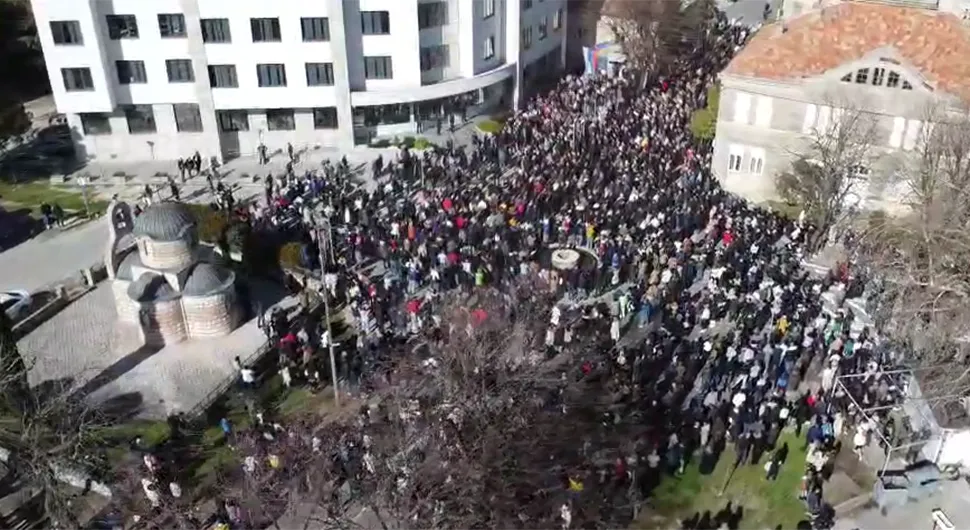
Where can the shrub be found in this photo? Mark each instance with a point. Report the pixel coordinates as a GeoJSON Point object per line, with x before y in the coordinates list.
{"type": "Point", "coordinates": [490, 126]}
{"type": "Point", "coordinates": [291, 255]}
{"type": "Point", "coordinates": [211, 224]}
{"type": "Point", "coordinates": [423, 143]}
{"type": "Point", "coordinates": [382, 143]}
{"type": "Point", "coordinates": [407, 142]}
{"type": "Point", "coordinates": [703, 124]}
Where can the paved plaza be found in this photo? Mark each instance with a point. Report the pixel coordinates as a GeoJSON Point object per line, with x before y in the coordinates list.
{"type": "Point", "coordinates": [85, 349]}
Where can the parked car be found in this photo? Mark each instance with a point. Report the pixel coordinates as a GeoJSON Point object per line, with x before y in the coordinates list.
{"type": "Point", "coordinates": [16, 304]}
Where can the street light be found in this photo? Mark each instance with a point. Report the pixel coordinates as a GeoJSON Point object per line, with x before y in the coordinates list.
{"type": "Point", "coordinates": [83, 182]}
{"type": "Point", "coordinates": [320, 227]}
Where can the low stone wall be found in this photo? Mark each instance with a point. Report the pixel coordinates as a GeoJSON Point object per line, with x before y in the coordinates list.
{"type": "Point", "coordinates": [42, 314]}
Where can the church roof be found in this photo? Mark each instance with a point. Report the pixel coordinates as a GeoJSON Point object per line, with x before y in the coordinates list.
{"type": "Point", "coordinates": [937, 44]}
{"type": "Point", "coordinates": [207, 278]}
{"type": "Point", "coordinates": [164, 221]}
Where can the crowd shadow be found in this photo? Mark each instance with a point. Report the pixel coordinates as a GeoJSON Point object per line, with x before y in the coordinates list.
{"type": "Point", "coordinates": [729, 516]}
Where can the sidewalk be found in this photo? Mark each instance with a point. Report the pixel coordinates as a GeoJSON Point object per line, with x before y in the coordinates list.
{"type": "Point", "coordinates": [245, 174]}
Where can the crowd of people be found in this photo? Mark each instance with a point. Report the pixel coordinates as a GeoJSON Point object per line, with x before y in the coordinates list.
{"type": "Point", "coordinates": [711, 330]}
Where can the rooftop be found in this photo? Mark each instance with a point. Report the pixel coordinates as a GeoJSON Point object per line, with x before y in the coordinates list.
{"type": "Point", "coordinates": [937, 44]}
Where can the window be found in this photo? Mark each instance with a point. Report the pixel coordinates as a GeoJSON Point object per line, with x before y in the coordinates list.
{"type": "Point", "coordinates": [526, 4]}
{"type": "Point", "coordinates": [319, 74]}
{"type": "Point", "coordinates": [543, 28]}
{"type": "Point", "coordinates": [847, 78]}
{"type": "Point", "coordinates": [526, 38]}
{"type": "Point", "coordinates": [131, 72]}
{"type": "Point", "coordinates": [896, 136]}
{"type": "Point", "coordinates": [187, 117]}
{"type": "Point", "coordinates": [434, 57]}
{"type": "Point", "coordinates": [822, 125]}
{"type": "Point", "coordinates": [76, 79]}
{"type": "Point", "coordinates": [557, 20]}
{"type": "Point", "coordinates": [742, 107]}
{"type": "Point", "coordinates": [878, 76]}
{"type": "Point", "coordinates": [913, 130]}
{"type": "Point", "coordinates": [862, 76]}
{"type": "Point", "coordinates": [315, 29]}
{"type": "Point", "coordinates": [171, 25]}
{"type": "Point", "coordinates": [122, 27]}
{"type": "Point", "coordinates": [432, 15]}
{"type": "Point", "coordinates": [489, 48]}
{"type": "Point", "coordinates": [216, 30]}
{"type": "Point", "coordinates": [378, 68]}
{"type": "Point", "coordinates": [906, 85]}
{"type": "Point", "coordinates": [735, 158]}
{"type": "Point", "coordinates": [95, 123]}
{"type": "Point", "coordinates": [66, 32]}
{"type": "Point", "coordinates": [141, 118]}
{"type": "Point", "coordinates": [489, 9]}
{"type": "Point", "coordinates": [756, 161]}
{"type": "Point", "coordinates": [265, 29]}
{"type": "Point", "coordinates": [179, 70]}
{"type": "Point", "coordinates": [325, 118]}
{"type": "Point", "coordinates": [375, 23]}
{"type": "Point", "coordinates": [233, 120]}
{"type": "Point", "coordinates": [762, 115]}
{"type": "Point", "coordinates": [811, 113]}
{"type": "Point", "coordinates": [271, 75]}
{"type": "Point", "coordinates": [280, 120]}
{"type": "Point", "coordinates": [892, 81]}
{"type": "Point", "coordinates": [223, 76]}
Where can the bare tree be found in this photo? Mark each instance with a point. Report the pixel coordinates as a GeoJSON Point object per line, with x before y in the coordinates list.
{"type": "Point", "coordinates": [653, 33]}
{"type": "Point", "coordinates": [919, 260]}
{"type": "Point", "coordinates": [827, 178]}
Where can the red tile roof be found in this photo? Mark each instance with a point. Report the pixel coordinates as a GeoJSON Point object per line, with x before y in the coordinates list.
{"type": "Point", "coordinates": [937, 44]}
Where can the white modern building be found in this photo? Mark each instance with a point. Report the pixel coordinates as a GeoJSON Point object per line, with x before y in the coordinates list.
{"type": "Point", "coordinates": [162, 79]}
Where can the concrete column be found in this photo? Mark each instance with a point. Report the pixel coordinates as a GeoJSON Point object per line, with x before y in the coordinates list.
{"type": "Point", "coordinates": [210, 145]}
{"type": "Point", "coordinates": [513, 48]}
{"type": "Point", "coordinates": [341, 72]}
{"type": "Point", "coordinates": [465, 13]}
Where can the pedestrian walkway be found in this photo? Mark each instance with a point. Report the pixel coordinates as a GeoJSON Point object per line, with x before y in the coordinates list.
{"type": "Point", "coordinates": [127, 180]}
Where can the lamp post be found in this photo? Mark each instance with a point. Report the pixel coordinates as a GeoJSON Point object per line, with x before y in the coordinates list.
{"type": "Point", "coordinates": [322, 225]}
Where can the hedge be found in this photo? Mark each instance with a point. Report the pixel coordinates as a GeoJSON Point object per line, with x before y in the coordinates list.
{"type": "Point", "coordinates": [490, 126]}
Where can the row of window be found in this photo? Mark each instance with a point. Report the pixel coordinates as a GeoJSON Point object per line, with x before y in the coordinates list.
{"type": "Point", "coordinates": [542, 28]}
{"type": "Point", "coordinates": [224, 75]}
{"type": "Point", "coordinates": [141, 119]}
{"type": "Point", "coordinates": [755, 159]}
{"type": "Point", "coordinates": [266, 29]}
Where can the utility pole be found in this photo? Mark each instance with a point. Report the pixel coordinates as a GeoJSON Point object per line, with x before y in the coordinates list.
{"type": "Point", "coordinates": [326, 301]}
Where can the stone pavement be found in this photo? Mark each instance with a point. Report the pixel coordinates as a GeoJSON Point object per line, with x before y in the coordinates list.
{"type": "Point", "coordinates": [953, 499]}
{"type": "Point", "coordinates": [240, 172]}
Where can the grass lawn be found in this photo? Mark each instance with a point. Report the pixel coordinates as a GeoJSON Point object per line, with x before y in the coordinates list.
{"type": "Point", "coordinates": [791, 211]}
{"type": "Point", "coordinates": [32, 194]}
{"type": "Point", "coordinates": [766, 504]}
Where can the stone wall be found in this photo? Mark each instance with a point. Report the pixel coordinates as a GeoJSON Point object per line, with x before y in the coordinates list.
{"type": "Point", "coordinates": [165, 254]}
{"type": "Point", "coordinates": [210, 316]}
{"type": "Point", "coordinates": [126, 308]}
{"type": "Point", "coordinates": [165, 322]}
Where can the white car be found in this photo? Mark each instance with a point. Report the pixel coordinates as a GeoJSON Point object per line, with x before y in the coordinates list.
{"type": "Point", "coordinates": [16, 304]}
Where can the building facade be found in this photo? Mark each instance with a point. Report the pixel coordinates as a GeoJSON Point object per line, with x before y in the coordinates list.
{"type": "Point", "coordinates": [796, 78]}
{"type": "Point", "coordinates": [162, 79]}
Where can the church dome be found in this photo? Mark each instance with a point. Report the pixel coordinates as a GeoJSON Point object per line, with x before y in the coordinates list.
{"type": "Point", "coordinates": [165, 221]}
{"type": "Point", "coordinates": [151, 288]}
{"type": "Point", "coordinates": [206, 278]}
